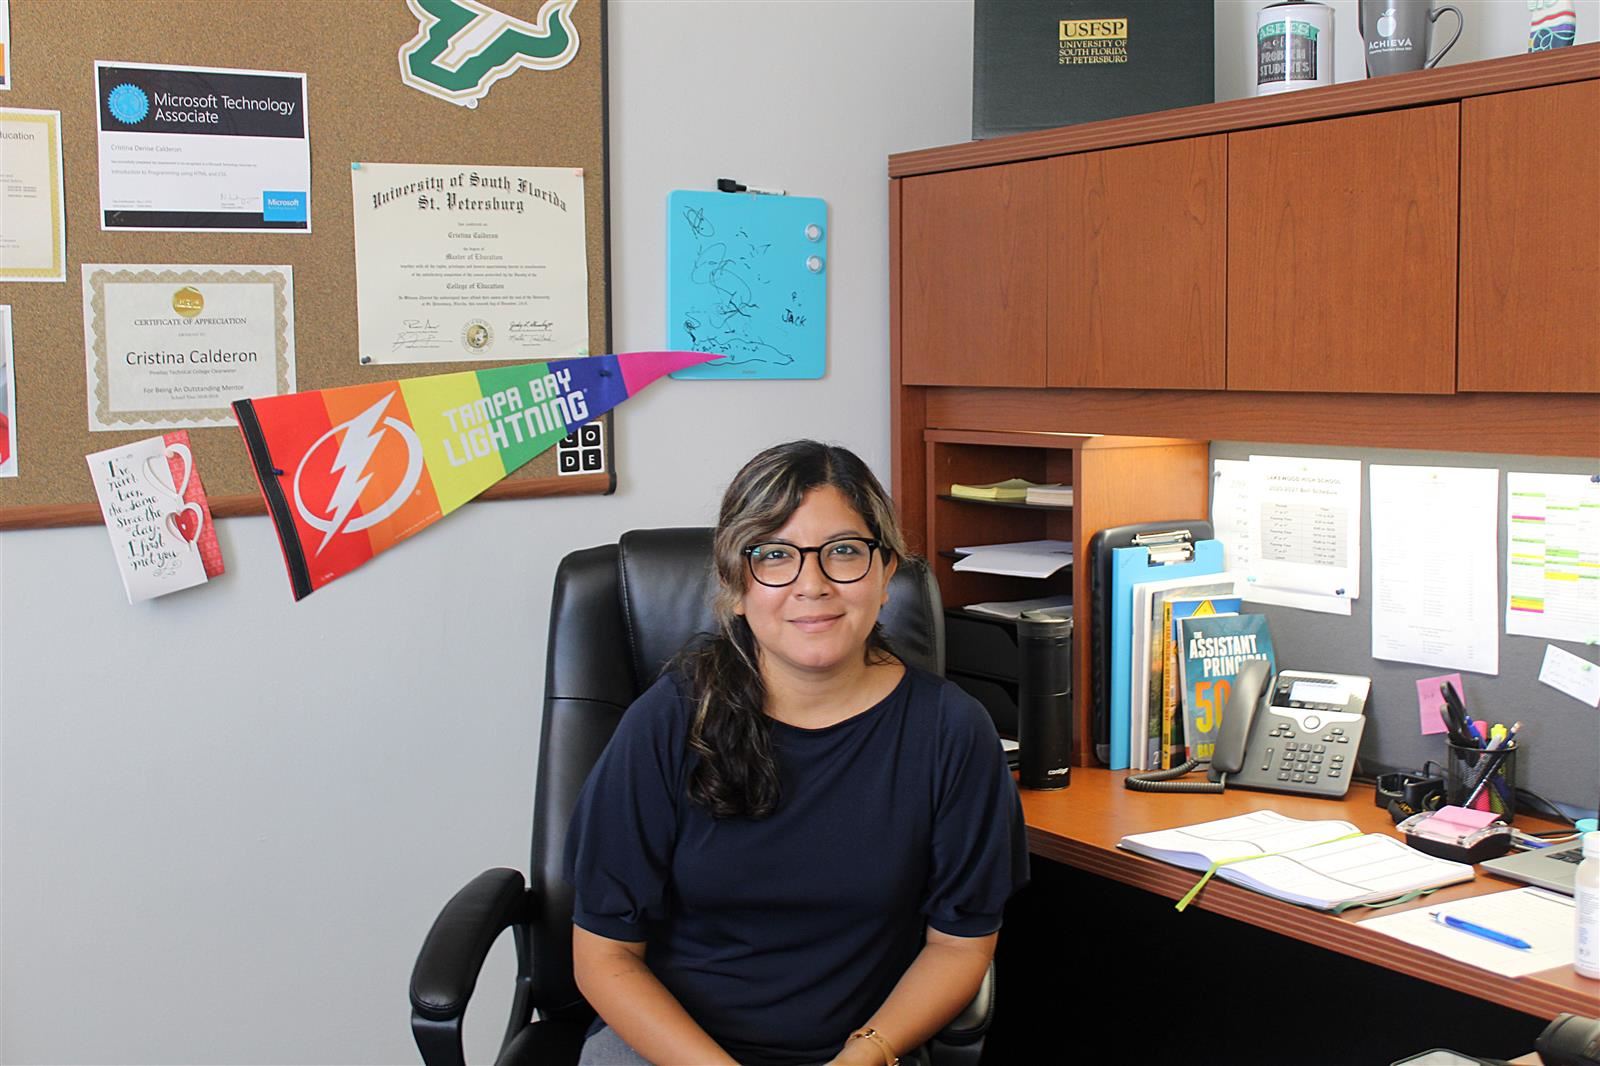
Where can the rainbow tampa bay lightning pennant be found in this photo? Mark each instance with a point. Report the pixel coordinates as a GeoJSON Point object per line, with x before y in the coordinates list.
{"type": "Point", "coordinates": [350, 472]}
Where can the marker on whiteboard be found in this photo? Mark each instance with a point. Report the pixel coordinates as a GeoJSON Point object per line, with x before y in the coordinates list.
{"type": "Point", "coordinates": [729, 185]}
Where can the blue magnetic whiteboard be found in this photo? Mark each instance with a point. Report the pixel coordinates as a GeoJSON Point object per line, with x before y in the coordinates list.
{"type": "Point", "coordinates": [747, 279]}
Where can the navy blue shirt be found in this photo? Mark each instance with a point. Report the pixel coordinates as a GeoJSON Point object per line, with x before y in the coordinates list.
{"type": "Point", "coordinates": [782, 935]}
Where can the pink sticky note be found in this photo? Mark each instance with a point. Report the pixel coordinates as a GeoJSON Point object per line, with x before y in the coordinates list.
{"type": "Point", "coordinates": [1430, 704]}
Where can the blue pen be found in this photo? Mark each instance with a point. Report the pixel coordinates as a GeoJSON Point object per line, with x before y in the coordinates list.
{"type": "Point", "coordinates": [1480, 930]}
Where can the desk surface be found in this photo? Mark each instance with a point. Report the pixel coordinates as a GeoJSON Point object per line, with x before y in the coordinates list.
{"type": "Point", "coordinates": [1080, 826]}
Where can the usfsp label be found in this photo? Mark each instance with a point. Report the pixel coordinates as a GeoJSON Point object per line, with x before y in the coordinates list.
{"type": "Point", "coordinates": [1093, 41]}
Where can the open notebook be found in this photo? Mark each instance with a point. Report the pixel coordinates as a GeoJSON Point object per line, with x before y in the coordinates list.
{"type": "Point", "coordinates": [1328, 865]}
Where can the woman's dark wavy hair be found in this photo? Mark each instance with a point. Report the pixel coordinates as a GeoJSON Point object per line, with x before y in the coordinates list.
{"type": "Point", "coordinates": [736, 774]}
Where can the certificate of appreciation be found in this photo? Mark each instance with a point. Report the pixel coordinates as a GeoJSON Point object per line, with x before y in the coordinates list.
{"type": "Point", "coordinates": [187, 148]}
{"type": "Point", "coordinates": [33, 228]}
{"type": "Point", "coordinates": [171, 347]}
{"type": "Point", "coordinates": [459, 263]}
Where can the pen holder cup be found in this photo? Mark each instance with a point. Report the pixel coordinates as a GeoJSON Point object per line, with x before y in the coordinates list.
{"type": "Point", "coordinates": [1465, 769]}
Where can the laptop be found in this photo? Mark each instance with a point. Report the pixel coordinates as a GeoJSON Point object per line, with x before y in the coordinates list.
{"type": "Point", "coordinates": [1555, 868]}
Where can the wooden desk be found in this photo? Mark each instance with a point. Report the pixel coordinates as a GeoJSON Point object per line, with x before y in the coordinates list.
{"type": "Point", "coordinates": [1080, 826]}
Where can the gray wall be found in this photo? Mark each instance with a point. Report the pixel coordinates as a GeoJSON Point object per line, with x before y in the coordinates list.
{"type": "Point", "coordinates": [226, 820]}
{"type": "Point", "coordinates": [1556, 759]}
{"type": "Point", "coordinates": [229, 819]}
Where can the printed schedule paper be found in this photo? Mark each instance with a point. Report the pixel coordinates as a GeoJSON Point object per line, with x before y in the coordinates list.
{"type": "Point", "coordinates": [1435, 589]}
{"type": "Point", "coordinates": [1240, 519]}
{"type": "Point", "coordinates": [1553, 556]}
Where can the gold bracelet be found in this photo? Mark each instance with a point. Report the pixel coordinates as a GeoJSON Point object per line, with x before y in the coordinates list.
{"type": "Point", "coordinates": [866, 1032]}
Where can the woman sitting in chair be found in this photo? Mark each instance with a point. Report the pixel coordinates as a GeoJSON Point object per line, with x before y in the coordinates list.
{"type": "Point", "coordinates": [796, 848]}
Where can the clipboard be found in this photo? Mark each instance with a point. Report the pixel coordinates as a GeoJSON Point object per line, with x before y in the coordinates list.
{"type": "Point", "coordinates": [747, 279]}
{"type": "Point", "coordinates": [1154, 556]}
{"type": "Point", "coordinates": [1101, 546]}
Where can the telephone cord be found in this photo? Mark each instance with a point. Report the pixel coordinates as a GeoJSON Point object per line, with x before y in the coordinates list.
{"type": "Point", "coordinates": [1163, 780]}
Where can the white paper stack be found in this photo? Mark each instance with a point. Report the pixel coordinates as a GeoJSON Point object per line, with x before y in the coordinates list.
{"type": "Point", "coordinates": [1012, 609]}
{"type": "Point", "coordinates": [1023, 558]}
{"type": "Point", "coordinates": [1050, 495]}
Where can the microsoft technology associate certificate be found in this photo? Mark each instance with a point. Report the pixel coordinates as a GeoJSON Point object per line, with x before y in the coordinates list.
{"type": "Point", "coordinates": [190, 148]}
{"type": "Point", "coordinates": [33, 228]}
{"type": "Point", "coordinates": [171, 347]}
{"type": "Point", "coordinates": [462, 263]}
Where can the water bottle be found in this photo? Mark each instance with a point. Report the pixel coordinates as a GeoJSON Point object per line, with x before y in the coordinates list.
{"type": "Point", "coordinates": [1586, 949]}
{"type": "Point", "coordinates": [1044, 699]}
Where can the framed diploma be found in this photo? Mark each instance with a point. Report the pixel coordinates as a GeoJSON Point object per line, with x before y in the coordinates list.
{"type": "Point", "coordinates": [33, 239]}
{"type": "Point", "coordinates": [171, 347]}
{"type": "Point", "coordinates": [463, 263]}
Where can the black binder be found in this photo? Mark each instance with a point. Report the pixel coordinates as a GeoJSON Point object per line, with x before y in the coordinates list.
{"type": "Point", "coordinates": [1101, 545]}
{"type": "Point", "coordinates": [1037, 64]}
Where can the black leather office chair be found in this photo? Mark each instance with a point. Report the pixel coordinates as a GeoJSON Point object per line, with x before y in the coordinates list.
{"type": "Point", "coordinates": [619, 612]}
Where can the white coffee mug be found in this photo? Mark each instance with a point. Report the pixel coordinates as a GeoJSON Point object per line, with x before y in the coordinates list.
{"type": "Point", "coordinates": [1294, 47]}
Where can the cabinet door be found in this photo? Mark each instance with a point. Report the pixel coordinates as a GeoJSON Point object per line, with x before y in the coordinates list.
{"type": "Point", "coordinates": [1138, 240]}
{"type": "Point", "coordinates": [1342, 254]}
{"type": "Point", "coordinates": [972, 277]}
{"type": "Point", "coordinates": [1530, 241]}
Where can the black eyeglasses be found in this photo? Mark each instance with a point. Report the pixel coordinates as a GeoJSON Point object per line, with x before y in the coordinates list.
{"type": "Point", "coordinates": [843, 560]}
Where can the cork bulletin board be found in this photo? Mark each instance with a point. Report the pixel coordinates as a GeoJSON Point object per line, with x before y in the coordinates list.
{"type": "Point", "coordinates": [358, 110]}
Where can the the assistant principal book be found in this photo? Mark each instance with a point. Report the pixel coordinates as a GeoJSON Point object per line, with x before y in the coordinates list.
{"type": "Point", "coordinates": [1325, 864]}
{"type": "Point", "coordinates": [1210, 652]}
{"type": "Point", "coordinates": [1173, 727]}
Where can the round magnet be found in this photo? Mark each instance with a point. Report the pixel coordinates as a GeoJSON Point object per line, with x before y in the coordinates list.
{"type": "Point", "coordinates": [813, 232]}
{"type": "Point", "coordinates": [814, 263]}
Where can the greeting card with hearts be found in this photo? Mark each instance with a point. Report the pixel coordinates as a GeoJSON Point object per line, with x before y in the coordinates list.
{"type": "Point", "coordinates": [193, 519]}
{"type": "Point", "coordinates": [156, 514]}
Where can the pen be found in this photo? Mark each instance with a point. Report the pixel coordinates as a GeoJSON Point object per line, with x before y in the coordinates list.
{"type": "Point", "coordinates": [1497, 753]}
{"type": "Point", "coordinates": [1490, 765]}
{"type": "Point", "coordinates": [729, 185]}
{"type": "Point", "coordinates": [1481, 930]}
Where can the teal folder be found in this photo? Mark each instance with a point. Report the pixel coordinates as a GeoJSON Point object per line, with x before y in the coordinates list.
{"type": "Point", "coordinates": [1130, 566]}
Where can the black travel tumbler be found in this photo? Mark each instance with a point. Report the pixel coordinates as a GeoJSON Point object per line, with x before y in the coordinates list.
{"type": "Point", "coordinates": [1044, 698]}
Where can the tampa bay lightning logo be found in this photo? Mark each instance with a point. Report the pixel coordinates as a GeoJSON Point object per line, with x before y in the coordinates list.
{"type": "Point", "coordinates": [128, 104]}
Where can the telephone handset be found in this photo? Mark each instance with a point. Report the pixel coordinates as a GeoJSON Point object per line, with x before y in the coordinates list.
{"type": "Point", "coordinates": [1298, 732]}
{"type": "Point", "coordinates": [1249, 691]}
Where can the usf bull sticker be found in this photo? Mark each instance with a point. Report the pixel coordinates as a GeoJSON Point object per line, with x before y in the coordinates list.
{"type": "Point", "coordinates": [463, 47]}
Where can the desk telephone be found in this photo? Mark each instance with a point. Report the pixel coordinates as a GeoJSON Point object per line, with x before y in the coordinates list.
{"type": "Point", "coordinates": [1304, 741]}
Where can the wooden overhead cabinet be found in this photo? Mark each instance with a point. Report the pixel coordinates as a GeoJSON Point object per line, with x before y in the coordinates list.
{"type": "Point", "coordinates": [972, 261]}
{"type": "Point", "coordinates": [1137, 250]}
{"type": "Point", "coordinates": [1342, 254]}
{"type": "Point", "coordinates": [1530, 241]}
{"type": "Point", "coordinates": [1088, 305]}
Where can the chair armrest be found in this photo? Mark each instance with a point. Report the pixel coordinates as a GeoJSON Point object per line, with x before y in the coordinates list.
{"type": "Point", "coordinates": [447, 967]}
